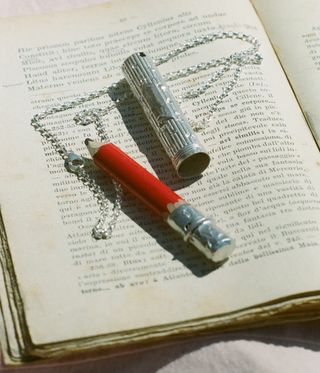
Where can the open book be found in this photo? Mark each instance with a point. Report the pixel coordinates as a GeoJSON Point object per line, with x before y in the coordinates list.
{"type": "Point", "coordinates": [64, 292]}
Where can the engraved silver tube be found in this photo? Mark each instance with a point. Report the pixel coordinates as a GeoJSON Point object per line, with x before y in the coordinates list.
{"type": "Point", "coordinates": [163, 111]}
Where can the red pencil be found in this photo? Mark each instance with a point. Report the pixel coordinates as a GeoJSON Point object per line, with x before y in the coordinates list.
{"type": "Point", "coordinates": [191, 224]}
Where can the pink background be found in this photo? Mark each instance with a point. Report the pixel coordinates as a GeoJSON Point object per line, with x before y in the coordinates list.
{"type": "Point", "coordinates": [288, 348]}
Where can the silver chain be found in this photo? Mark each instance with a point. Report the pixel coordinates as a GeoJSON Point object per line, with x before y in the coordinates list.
{"type": "Point", "coordinates": [75, 163]}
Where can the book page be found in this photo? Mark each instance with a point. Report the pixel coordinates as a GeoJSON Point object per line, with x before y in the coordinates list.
{"type": "Point", "coordinates": [261, 185]}
{"type": "Point", "coordinates": [294, 30]}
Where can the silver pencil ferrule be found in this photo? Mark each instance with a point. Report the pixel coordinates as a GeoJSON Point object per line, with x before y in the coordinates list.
{"type": "Point", "coordinates": [164, 113]}
{"type": "Point", "coordinates": [201, 232]}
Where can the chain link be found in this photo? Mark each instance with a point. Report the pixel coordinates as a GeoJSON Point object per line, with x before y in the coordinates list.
{"type": "Point", "coordinates": [75, 163]}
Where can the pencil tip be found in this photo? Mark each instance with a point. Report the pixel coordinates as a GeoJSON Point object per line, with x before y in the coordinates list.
{"type": "Point", "coordinates": [86, 141]}
{"type": "Point", "coordinates": [92, 145]}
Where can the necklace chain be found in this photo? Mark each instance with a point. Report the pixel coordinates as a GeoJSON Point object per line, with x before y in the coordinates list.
{"type": "Point", "coordinates": [75, 163]}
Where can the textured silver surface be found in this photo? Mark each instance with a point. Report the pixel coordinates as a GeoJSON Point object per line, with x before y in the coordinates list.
{"type": "Point", "coordinates": [201, 232]}
{"type": "Point", "coordinates": [161, 108]}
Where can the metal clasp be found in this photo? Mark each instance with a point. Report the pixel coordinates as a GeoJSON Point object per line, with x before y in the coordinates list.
{"type": "Point", "coordinates": [74, 163]}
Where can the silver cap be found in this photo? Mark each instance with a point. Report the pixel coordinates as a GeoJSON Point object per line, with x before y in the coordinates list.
{"type": "Point", "coordinates": [201, 232]}
{"type": "Point", "coordinates": [165, 116]}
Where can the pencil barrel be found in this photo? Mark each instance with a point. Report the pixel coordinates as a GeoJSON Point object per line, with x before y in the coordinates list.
{"type": "Point", "coordinates": [188, 222]}
{"type": "Point", "coordinates": [135, 178]}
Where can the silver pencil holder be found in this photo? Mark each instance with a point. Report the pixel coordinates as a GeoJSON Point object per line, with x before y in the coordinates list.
{"type": "Point", "coordinates": [188, 156]}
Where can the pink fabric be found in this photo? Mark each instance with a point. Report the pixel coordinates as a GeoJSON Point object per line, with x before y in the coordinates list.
{"type": "Point", "coordinates": [291, 348]}
{"type": "Point", "coordinates": [279, 349]}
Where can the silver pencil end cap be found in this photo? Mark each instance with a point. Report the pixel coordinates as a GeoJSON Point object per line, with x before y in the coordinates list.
{"type": "Point", "coordinates": [212, 241]}
{"type": "Point", "coordinates": [201, 232]}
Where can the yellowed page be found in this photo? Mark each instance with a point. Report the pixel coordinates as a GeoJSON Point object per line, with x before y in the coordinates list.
{"type": "Point", "coordinates": [294, 29]}
{"type": "Point", "coordinates": [261, 186]}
